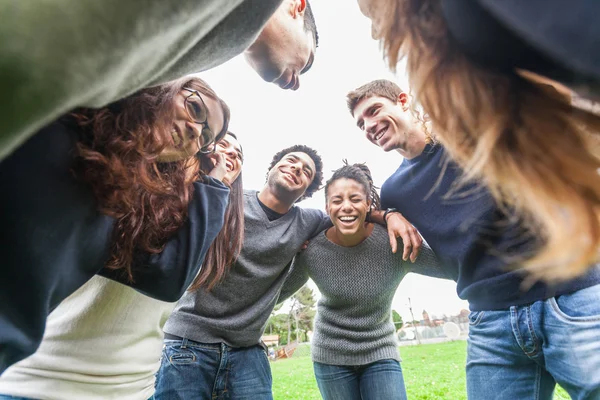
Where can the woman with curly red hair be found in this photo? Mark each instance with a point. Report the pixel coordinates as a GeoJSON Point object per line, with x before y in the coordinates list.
{"type": "Point", "coordinates": [105, 340]}
{"type": "Point", "coordinates": [115, 191]}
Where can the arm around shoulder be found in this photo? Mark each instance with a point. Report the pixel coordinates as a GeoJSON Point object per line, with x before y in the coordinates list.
{"type": "Point", "coordinates": [297, 277]}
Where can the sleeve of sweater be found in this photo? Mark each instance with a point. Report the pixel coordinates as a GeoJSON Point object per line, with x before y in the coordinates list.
{"type": "Point", "coordinates": [296, 278]}
{"type": "Point", "coordinates": [426, 263]}
{"type": "Point", "coordinates": [71, 53]}
{"type": "Point", "coordinates": [167, 275]}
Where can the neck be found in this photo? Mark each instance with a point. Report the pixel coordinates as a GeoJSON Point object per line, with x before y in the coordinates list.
{"type": "Point", "coordinates": [417, 142]}
{"type": "Point", "coordinates": [350, 240]}
{"type": "Point", "coordinates": [274, 202]}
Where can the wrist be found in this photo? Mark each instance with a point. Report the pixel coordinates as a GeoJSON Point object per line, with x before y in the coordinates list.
{"type": "Point", "coordinates": [387, 213]}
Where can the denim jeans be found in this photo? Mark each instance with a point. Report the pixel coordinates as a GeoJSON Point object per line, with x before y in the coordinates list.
{"type": "Point", "coordinates": [379, 380]}
{"type": "Point", "coordinates": [200, 371]}
{"type": "Point", "coordinates": [521, 353]}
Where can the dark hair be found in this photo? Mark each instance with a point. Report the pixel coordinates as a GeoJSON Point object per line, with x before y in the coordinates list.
{"type": "Point", "coordinates": [309, 23]}
{"type": "Point", "coordinates": [226, 247]}
{"type": "Point", "coordinates": [317, 178]}
{"type": "Point", "coordinates": [117, 156]}
{"type": "Point", "coordinates": [362, 175]}
{"type": "Point", "coordinates": [379, 87]}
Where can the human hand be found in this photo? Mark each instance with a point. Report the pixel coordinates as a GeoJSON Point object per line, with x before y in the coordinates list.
{"type": "Point", "coordinates": [219, 166]}
{"type": "Point", "coordinates": [398, 226]}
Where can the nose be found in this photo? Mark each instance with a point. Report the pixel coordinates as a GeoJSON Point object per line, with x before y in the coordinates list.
{"type": "Point", "coordinates": [297, 83]}
{"type": "Point", "coordinates": [296, 168]}
{"type": "Point", "coordinates": [194, 130]}
{"type": "Point", "coordinates": [346, 206]}
{"type": "Point", "coordinates": [370, 128]}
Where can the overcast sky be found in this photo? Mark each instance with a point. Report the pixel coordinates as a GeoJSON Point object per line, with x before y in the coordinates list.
{"type": "Point", "coordinates": [268, 119]}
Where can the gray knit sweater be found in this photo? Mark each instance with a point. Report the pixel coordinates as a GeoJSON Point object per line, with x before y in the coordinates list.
{"type": "Point", "coordinates": [236, 311]}
{"type": "Point", "coordinates": [353, 325]}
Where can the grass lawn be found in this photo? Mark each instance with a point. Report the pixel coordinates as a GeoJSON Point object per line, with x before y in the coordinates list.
{"type": "Point", "coordinates": [432, 371]}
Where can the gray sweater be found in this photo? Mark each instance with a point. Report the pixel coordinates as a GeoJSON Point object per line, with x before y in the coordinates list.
{"type": "Point", "coordinates": [353, 325]}
{"type": "Point", "coordinates": [71, 53]}
{"type": "Point", "coordinates": [236, 311]}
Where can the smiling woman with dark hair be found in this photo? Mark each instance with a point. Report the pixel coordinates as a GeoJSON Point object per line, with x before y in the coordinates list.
{"type": "Point", "coordinates": [354, 351]}
{"type": "Point", "coordinates": [109, 191]}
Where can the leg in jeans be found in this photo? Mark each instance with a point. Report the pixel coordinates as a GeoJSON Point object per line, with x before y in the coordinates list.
{"type": "Point", "coordinates": [188, 370]}
{"type": "Point", "coordinates": [505, 358]}
{"type": "Point", "coordinates": [7, 397]}
{"type": "Point", "coordinates": [572, 342]}
{"type": "Point", "coordinates": [337, 382]}
{"type": "Point", "coordinates": [382, 380]}
{"type": "Point", "coordinates": [249, 375]}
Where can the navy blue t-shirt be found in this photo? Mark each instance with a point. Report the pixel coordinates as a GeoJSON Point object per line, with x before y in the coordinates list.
{"type": "Point", "coordinates": [54, 240]}
{"type": "Point", "coordinates": [472, 237]}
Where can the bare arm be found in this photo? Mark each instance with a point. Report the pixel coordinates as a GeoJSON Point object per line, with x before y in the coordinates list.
{"type": "Point", "coordinates": [399, 227]}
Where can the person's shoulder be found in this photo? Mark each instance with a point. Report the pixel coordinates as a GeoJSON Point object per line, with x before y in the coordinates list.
{"type": "Point", "coordinates": [309, 213]}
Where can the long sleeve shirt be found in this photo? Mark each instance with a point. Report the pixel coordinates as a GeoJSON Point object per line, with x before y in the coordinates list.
{"type": "Point", "coordinates": [353, 325]}
{"type": "Point", "coordinates": [54, 239]}
{"type": "Point", "coordinates": [59, 55]}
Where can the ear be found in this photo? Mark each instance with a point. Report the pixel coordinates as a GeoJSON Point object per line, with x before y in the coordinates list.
{"type": "Point", "coordinates": [298, 7]}
{"type": "Point", "coordinates": [403, 101]}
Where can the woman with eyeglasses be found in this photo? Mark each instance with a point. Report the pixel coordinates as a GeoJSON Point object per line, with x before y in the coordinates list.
{"type": "Point", "coordinates": [105, 340]}
{"type": "Point", "coordinates": [115, 191]}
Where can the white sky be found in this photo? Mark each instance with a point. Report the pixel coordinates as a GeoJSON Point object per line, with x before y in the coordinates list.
{"type": "Point", "coordinates": [268, 119]}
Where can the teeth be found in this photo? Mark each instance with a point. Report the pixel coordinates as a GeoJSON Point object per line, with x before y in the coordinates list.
{"type": "Point", "coordinates": [349, 218]}
{"type": "Point", "coordinates": [381, 133]}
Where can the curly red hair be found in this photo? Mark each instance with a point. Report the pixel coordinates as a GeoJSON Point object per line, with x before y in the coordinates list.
{"type": "Point", "coordinates": [118, 150]}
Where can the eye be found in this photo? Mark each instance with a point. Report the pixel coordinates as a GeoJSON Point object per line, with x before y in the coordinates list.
{"type": "Point", "coordinates": [195, 108]}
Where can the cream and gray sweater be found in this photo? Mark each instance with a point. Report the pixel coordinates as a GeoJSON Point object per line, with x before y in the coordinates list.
{"type": "Point", "coordinates": [353, 325]}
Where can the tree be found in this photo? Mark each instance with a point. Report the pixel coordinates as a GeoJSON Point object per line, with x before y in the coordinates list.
{"type": "Point", "coordinates": [302, 312]}
{"type": "Point", "coordinates": [397, 319]}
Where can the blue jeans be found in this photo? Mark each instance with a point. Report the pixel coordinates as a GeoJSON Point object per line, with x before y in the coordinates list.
{"type": "Point", "coordinates": [379, 380]}
{"type": "Point", "coordinates": [521, 353]}
{"type": "Point", "coordinates": [199, 371]}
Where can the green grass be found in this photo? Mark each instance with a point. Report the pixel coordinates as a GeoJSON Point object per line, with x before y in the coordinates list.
{"type": "Point", "coordinates": [431, 372]}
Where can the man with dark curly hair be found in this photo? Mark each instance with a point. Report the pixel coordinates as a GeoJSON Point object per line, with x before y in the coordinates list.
{"type": "Point", "coordinates": [212, 341]}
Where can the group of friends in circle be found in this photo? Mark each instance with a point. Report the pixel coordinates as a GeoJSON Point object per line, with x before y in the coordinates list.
{"type": "Point", "coordinates": [137, 266]}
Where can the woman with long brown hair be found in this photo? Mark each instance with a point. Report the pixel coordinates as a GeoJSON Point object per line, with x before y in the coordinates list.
{"type": "Point", "coordinates": [115, 191]}
{"type": "Point", "coordinates": [480, 70]}
{"type": "Point", "coordinates": [105, 340]}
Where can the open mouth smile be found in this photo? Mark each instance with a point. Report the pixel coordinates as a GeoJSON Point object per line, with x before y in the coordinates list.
{"type": "Point", "coordinates": [291, 177]}
{"type": "Point", "coordinates": [177, 137]}
{"type": "Point", "coordinates": [348, 219]}
{"type": "Point", "coordinates": [380, 134]}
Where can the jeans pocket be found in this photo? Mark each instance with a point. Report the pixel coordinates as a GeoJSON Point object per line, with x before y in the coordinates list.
{"type": "Point", "coordinates": [580, 306]}
{"type": "Point", "coordinates": [475, 317]}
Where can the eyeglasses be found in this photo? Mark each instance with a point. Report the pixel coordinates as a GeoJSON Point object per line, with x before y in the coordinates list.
{"type": "Point", "coordinates": [197, 111]}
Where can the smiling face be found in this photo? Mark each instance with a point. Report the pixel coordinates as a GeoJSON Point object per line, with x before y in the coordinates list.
{"type": "Point", "coordinates": [347, 206]}
{"type": "Point", "coordinates": [231, 149]}
{"type": "Point", "coordinates": [292, 175]}
{"type": "Point", "coordinates": [186, 136]}
{"type": "Point", "coordinates": [388, 124]}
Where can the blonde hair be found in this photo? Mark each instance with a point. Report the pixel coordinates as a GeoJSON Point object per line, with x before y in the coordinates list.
{"type": "Point", "coordinates": [524, 140]}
